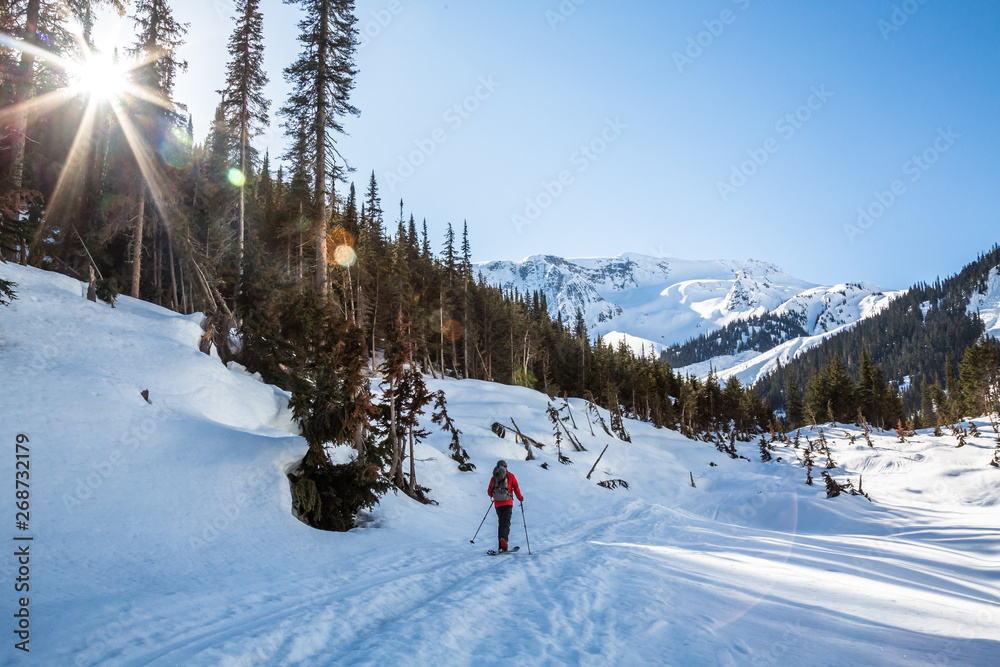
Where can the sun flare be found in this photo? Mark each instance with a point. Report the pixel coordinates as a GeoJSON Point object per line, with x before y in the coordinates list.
{"type": "Point", "coordinates": [101, 78]}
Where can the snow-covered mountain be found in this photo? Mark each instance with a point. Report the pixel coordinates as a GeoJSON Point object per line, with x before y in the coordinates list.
{"type": "Point", "coordinates": [652, 303]}
{"type": "Point", "coordinates": [164, 532]}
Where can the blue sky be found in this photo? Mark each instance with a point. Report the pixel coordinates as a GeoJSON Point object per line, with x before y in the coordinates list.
{"type": "Point", "coordinates": [723, 129]}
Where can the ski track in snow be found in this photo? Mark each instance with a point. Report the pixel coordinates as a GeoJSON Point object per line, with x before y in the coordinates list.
{"type": "Point", "coordinates": [178, 547]}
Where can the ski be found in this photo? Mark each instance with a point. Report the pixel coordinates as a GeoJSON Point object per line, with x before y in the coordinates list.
{"type": "Point", "coordinates": [494, 552]}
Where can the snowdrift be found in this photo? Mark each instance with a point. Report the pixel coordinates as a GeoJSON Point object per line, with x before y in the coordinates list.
{"type": "Point", "coordinates": [163, 531]}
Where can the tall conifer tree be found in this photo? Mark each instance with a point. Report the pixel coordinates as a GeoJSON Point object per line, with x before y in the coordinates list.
{"type": "Point", "coordinates": [322, 79]}
{"type": "Point", "coordinates": [243, 103]}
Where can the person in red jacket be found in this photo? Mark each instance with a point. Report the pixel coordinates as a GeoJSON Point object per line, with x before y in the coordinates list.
{"type": "Point", "coordinates": [503, 487]}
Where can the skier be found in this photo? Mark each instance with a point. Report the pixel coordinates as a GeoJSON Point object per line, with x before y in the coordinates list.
{"type": "Point", "coordinates": [502, 485]}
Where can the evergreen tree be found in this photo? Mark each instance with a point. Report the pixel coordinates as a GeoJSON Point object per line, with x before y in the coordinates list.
{"type": "Point", "coordinates": [466, 251]}
{"type": "Point", "coordinates": [928, 418]}
{"type": "Point", "coordinates": [793, 403]}
{"type": "Point", "coordinates": [954, 390]}
{"type": "Point", "coordinates": [449, 253]}
{"type": "Point", "coordinates": [7, 292]}
{"type": "Point", "coordinates": [244, 106]}
{"type": "Point", "coordinates": [977, 370]}
{"type": "Point", "coordinates": [322, 79]}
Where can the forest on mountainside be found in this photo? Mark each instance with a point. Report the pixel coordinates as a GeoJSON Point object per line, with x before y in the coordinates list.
{"type": "Point", "coordinates": [921, 341]}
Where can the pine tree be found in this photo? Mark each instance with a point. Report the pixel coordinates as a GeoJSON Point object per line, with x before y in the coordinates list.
{"type": "Point", "coordinates": [449, 253]}
{"type": "Point", "coordinates": [466, 251]}
{"type": "Point", "coordinates": [350, 217]}
{"type": "Point", "coordinates": [927, 416]}
{"type": "Point", "coordinates": [243, 103]}
{"type": "Point", "coordinates": [953, 388]}
{"type": "Point", "coordinates": [7, 292]}
{"type": "Point", "coordinates": [322, 79]}
{"type": "Point", "coordinates": [868, 389]}
{"type": "Point", "coordinates": [441, 418]}
{"type": "Point", "coordinates": [979, 365]}
{"type": "Point", "coordinates": [793, 403]}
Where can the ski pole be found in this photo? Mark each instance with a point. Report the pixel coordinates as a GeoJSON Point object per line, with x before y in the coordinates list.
{"type": "Point", "coordinates": [527, 541]}
{"type": "Point", "coordinates": [473, 540]}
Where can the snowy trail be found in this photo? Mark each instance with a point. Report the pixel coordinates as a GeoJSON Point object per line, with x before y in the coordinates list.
{"type": "Point", "coordinates": [579, 601]}
{"type": "Point", "coordinates": [164, 532]}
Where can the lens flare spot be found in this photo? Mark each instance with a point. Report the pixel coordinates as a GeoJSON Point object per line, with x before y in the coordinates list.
{"type": "Point", "coordinates": [340, 236]}
{"type": "Point", "coordinates": [452, 330]}
{"type": "Point", "coordinates": [175, 149]}
{"type": "Point", "coordinates": [236, 177]}
{"type": "Point", "coordinates": [345, 255]}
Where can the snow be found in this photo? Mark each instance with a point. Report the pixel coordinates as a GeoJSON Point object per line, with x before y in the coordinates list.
{"type": "Point", "coordinates": [164, 534]}
{"type": "Point", "coordinates": [639, 346]}
{"type": "Point", "coordinates": [987, 303]}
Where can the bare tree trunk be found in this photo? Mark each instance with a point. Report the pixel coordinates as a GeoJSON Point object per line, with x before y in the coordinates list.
{"type": "Point", "coordinates": [301, 271]}
{"type": "Point", "coordinates": [395, 469]}
{"type": "Point", "coordinates": [173, 273]}
{"type": "Point", "coordinates": [243, 173]}
{"type": "Point", "coordinates": [24, 83]}
{"type": "Point", "coordinates": [349, 296]}
{"type": "Point", "coordinates": [157, 265]}
{"type": "Point", "coordinates": [465, 329]}
{"type": "Point", "coordinates": [321, 103]}
{"type": "Point", "coordinates": [91, 288]}
{"type": "Point", "coordinates": [441, 331]}
{"type": "Point", "coordinates": [137, 241]}
{"type": "Point", "coordinates": [374, 318]}
{"type": "Point", "coordinates": [184, 297]}
{"type": "Point", "coordinates": [413, 467]}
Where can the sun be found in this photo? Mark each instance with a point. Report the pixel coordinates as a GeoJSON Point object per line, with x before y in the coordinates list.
{"type": "Point", "coordinates": [100, 77]}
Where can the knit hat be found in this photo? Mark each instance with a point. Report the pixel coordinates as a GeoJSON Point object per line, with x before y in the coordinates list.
{"type": "Point", "coordinates": [502, 463]}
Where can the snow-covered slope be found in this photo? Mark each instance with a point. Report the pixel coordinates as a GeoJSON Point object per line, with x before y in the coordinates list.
{"type": "Point", "coordinates": [164, 535]}
{"type": "Point", "coordinates": [669, 301]}
{"type": "Point", "coordinates": [987, 303]}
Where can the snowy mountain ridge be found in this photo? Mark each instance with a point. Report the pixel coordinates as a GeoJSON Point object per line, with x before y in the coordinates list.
{"type": "Point", "coordinates": [653, 302]}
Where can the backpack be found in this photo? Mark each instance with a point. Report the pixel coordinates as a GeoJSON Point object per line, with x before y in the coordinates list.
{"type": "Point", "coordinates": [501, 488]}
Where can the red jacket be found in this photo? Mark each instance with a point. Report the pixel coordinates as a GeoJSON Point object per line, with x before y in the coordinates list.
{"type": "Point", "coordinates": [514, 488]}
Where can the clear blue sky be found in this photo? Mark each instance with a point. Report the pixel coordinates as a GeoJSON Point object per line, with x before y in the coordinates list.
{"type": "Point", "coordinates": [670, 98]}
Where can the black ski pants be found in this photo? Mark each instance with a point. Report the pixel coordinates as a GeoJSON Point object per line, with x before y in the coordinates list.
{"type": "Point", "coordinates": [504, 513]}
